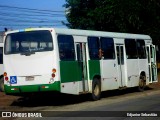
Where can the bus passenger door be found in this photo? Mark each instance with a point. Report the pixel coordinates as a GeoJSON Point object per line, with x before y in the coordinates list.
{"type": "Point", "coordinates": [121, 67]}
{"type": "Point", "coordinates": [152, 67]}
{"type": "Point", "coordinates": [82, 66]}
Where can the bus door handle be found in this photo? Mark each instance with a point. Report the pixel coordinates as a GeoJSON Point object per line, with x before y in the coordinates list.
{"type": "Point", "coordinates": [114, 64]}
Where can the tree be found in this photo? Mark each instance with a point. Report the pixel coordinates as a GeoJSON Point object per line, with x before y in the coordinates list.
{"type": "Point", "coordinates": [132, 16]}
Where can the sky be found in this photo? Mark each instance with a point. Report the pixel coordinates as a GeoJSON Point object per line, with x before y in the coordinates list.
{"type": "Point", "coordinates": [19, 14]}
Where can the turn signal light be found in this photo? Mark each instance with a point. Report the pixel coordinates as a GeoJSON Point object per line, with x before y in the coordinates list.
{"type": "Point", "coordinates": [5, 74]}
{"type": "Point", "coordinates": [54, 70]}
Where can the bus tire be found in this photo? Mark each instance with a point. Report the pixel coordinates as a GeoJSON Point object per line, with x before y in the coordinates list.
{"type": "Point", "coordinates": [142, 83]}
{"type": "Point", "coordinates": [96, 89]}
{"type": "Point", "coordinates": [1, 84]}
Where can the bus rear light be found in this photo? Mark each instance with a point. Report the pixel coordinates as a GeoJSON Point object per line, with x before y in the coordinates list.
{"type": "Point", "coordinates": [45, 86]}
{"type": "Point", "coordinates": [53, 75]}
{"type": "Point", "coordinates": [6, 78]}
{"type": "Point", "coordinates": [53, 72]}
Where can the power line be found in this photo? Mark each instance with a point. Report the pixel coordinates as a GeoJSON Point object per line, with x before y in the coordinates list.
{"type": "Point", "coordinates": [5, 6]}
{"type": "Point", "coordinates": [32, 14]}
{"type": "Point", "coordinates": [33, 25]}
{"type": "Point", "coordinates": [4, 17]}
{"type": "Point", "coordinates": [18, 14]}
{"type": "Point", "coordinates": [13, 18]}
{"type": "Point", "coordinates": [27, 17]}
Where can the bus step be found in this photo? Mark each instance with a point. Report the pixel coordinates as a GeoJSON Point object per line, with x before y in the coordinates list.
{"type": "Point", "coordinates": [121, 88]}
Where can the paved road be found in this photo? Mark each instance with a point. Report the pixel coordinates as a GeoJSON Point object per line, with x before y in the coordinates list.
{"type": "Point", "coordinates": [144, 105]}
{"type": "Point", "coordinates": [112, 107]}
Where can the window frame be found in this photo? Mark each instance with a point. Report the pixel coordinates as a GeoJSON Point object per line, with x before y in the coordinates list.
{"type": "Point", "coordinates": [129, 48]}
{"type": "Point", "coordinates": [144, 49]}
{"type": "Point", "coordinates": [63, 49]}
{"type": "Point", "coordinates": [106, 48]}
{"type": "Point", "coordinates": [16, 42]}
{"type": "Point", "coordinates": [90, 40]}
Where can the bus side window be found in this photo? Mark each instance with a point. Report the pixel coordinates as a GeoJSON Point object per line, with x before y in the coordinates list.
{"type": "Point", "coordinates": [141, 49]}
{"type": "Point", "coordinates": [107, 46]}
{"type": "Point", "coordinates": [131, 49]}
{"type": "Point", "coordinates": [66, 47]}
{"type": "Point", "coordinates": [94, 47]}
{"type": "Point", "coordinates": [61, 52]}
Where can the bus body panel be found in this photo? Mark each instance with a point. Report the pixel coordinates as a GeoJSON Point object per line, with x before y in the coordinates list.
{"type": "Point", "coordinates": [21, 65]}
{"type": "Point", "coordinates": [32, 73]}
{"type": "Point", "coordinates": [70, 72]}
{"type": "Point", "coordinates": [32, 88]}
{"type": "Point", "coordinates": [143, 67]}
{"type": "Point", "coordinates": [94, 68]}
{"type": "Point", "coordinates": [70, 76]}
{"type": "Point", "coordinates": [133, 72]}
{"type": "Point", "coordinates": [109, 74]}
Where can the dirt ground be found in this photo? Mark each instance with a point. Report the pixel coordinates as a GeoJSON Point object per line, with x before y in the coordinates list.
{"type": "Point", "coordinates": [6, 101]}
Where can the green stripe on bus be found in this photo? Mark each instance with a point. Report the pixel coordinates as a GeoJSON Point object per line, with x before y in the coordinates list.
{"type": "Point", "coordinates": [32, 88]}
{"type": "Point", "coordinates": [70, 71]}
{"type": "Point", "coordinates": [94, 68]}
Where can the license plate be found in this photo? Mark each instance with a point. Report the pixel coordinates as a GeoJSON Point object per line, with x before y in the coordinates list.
{"type": "Point", "coordinates": [29, 78]}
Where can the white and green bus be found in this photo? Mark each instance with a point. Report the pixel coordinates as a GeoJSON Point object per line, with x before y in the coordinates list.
{"type": "Point", "coordinates": [76, 61]}
{"type": "Point", "coordinates": [1, 62]}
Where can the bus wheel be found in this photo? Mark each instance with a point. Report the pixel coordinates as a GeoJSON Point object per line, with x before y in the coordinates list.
{"type": "Point", "coordinates": [96, 89]}
{"type": "Point", "coordinates": [1, 85]}
{"type": "Point", "coordinates": [142, 83]}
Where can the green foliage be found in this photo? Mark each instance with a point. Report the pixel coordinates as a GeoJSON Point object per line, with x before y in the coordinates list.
{"type": "Point", "coordinates": [132, 16]}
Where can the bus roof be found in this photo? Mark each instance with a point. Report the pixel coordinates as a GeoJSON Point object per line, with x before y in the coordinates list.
{"type": "Point", "coordinates": [101, 33]}
{"type": "Point", "coordinates": [77, 32]}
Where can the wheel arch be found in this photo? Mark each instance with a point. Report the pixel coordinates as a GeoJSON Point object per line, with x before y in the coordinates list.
{"type": "Point", "coordinates": [143, 73]}
{"type": "Point", "coordinates": [96, 87]}
{"type": "Point", "coordinates": [97, 76]}
{"type": "Point", "coordinates": [142, 81]}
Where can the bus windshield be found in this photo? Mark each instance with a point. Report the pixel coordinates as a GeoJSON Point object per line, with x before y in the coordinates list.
{"type": "Point", "coordinates": [28, 42]}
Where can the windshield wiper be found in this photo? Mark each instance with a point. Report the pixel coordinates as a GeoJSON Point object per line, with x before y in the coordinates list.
{"type": "Point", "coordinates": [27, 53]}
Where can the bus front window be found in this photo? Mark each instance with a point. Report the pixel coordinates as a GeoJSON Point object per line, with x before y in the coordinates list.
{"type": "Point", "coordinates": [34, 41]}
